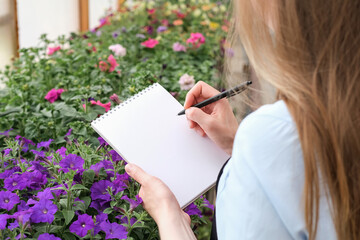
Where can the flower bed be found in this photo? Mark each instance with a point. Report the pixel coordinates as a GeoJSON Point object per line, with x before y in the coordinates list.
{"type": "Point", "coordinates": [58, 179]}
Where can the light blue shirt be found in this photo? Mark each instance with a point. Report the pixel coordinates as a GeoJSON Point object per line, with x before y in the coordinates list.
{"type": "Point", "coordinates": [260, 193]}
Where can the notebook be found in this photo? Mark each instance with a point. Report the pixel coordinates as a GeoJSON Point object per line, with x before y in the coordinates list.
{"type": "Point", "coordinates": [146, 130]}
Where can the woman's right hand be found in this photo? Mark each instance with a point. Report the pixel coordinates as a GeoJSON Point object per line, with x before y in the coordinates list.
{"type": "Point", "coordinates": [215, 120]}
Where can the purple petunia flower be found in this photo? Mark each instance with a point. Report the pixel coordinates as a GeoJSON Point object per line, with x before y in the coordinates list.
{"type": "Point", "coordinates": [99, 190]}
{"type": "Point", "coordinates": [101, 217]}
{"type": "Point", "coordinates": [47, 236]}
{"type": "Point", "coordinates": [133, 203]}
{"type": "Point", "coordinates": [102, 141]}
{"type": "Point", "coordinates": [69, 132]}
{"type": "Point", "coordinates": [22, 216]}
{"type": "Point", "coordinates": [207, 203]}
{"type": "Point", "coordinates": [37, 166]}
{"type": "Point", "coordinates": [43, 211]}
{"type": "Point", "coordinates": [161, 29]}
{"type": "Point", "coordinates": [7, 173]}
{"type": "Point", "coordinates": [113, 230]}
{"type": "Point", "coordinates": [71, 161]}
{"type": "Point", "coordinates": [24, 143]}
{"type": "Point", "coordinates": [82, 225]}
{"type": "Point", "coordinates": [6, 133]}
{"type": "Point", "coordinates": [22, 206]}
{"type": "Point", "coordinates": [45, 144]}
{"type": "Point", "coordinates": [103, 164]}
{"type": "Point", "coordinates": [3, 221]}
{"type": "Point", "coordinates": [120, 182]}
{"type": "Point", "coordinates": [46, 194]}
{"type": "Point", "coordinates": [13, 225]}
{"type": "Point", "coordinates": [35, 179]}
{"type": "Point", "coordinates": [7, 151]}
{"type": "Point", "coordinates": [98, 33]}
{"type": "Point", "coordinates": [100, 205]}
{"type": "Point", "coordinates": [21, 236]}
{"type": "Point", "coordinates": [8, 200]}
{"type": "Point", "coordinates": [15, 182]}
{"type": "Point", "coordinates": [192, 209]}
{"type": "Point", "coordinates": [61, 151]}
{"type": "Point", "coordinates": [115, 34]}
{"type": "Point", "coordinates": [37, 153]}
{"type": "Point", "coordinates": [140, 35]}
{"type": "Point", "coordinates": [115, 156]}
{"type": "Point", "coordinates": [125, 220]}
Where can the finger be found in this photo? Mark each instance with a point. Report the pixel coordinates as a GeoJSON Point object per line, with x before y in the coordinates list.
{"type": "Point", "coordinates": [187, 218]}
{"type": "Point", "coordinates": [200, 131]}
{"type": "Point", "coordinates": [137, 173]}
{"type": "Point", "coordinates": [198, 116]}
{"type": "Point", "coordinates": [200, 90]}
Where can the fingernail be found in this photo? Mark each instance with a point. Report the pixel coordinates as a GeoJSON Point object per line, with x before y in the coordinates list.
{"type": "Point", "coordinates": [128, 168]}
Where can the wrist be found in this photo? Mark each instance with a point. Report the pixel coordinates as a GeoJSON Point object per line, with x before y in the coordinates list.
{"type": "Point", "coordinates": [174, 225]}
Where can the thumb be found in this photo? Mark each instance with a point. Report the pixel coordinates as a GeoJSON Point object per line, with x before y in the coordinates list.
{"type": "Point", "coordinates": [199, 116]}
{"type": "Point", "coordinates": [137, 173]}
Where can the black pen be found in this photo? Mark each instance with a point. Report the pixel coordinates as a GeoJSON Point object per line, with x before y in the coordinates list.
{"type": "Point", "coordinates": [228, 93]}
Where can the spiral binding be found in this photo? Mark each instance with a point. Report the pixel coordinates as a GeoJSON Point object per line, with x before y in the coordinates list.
{"type": "Point", "coordinates": [124, 103]}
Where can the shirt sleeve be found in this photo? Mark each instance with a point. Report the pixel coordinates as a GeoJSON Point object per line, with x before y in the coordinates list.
{"type": "Point", "coordinates": [260, 190]}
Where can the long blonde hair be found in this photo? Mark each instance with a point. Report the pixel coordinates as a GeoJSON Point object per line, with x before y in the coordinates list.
{"type": "Point", "coordinates": [312, 56]}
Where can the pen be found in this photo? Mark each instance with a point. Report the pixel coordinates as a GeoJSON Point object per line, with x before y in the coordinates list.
{"type": "Point", "coordinates": [228, 93]}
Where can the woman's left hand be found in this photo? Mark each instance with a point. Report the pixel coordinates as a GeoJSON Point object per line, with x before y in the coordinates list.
{"type": "Point", "coordinates": [161, 204]}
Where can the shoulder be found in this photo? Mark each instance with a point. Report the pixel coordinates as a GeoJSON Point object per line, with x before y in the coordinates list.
{"type": "Point", "coordinates": [268, 132]}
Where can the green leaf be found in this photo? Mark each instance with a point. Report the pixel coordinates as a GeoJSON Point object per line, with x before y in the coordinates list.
{"type": "Point", "coordinates": [79, 187]}
{"type": "Point", "coordinates": [88, 177]}
{"type": "Point", "coordinates": [68, 215]}
{"type": "Point", "coordinates": [68, 236]}
{"type": "Point", "coordinates": [79, 206]}
{"type": "Point", "coordinates": [10, 111]}
{"type": "Point", "coordinates": [55, 228]}
{"type": "Point", "coordinates": [108, 210]}
{"type": "Point", "coordinates": [87, 201]}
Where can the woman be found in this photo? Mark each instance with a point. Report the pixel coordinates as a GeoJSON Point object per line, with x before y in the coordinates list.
{"type": "Point", "coordinates": [295, 166]}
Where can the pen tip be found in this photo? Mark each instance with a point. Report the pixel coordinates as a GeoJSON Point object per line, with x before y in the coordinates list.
{"type": "Point", "coordinates": [249, 82]}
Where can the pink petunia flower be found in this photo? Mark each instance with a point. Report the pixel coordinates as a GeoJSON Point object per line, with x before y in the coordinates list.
{"type": "Point", "coordinates": [103, 66]}
{"type": "Point", "coordinates": [150, 43]}
{"type": "Point", "coordinates": [54, 94]}
{"type": "Point", "coordinates": [196, 39]}
{"type": "Point", "coordinates": [118, 50]}
{"type": "Point", "coordinates": [104, 105]}
{"type": "Point", "coordinates": [178, 47]}
{"type": "Point", "coordinates": [113, 63]}
{"type": "Point", "coordinates": [93, 47]}
{"type": "Point", "coordinates": [52, 50]}
{"type": "Point", "coordinates": [165, 22]}
{"type": "Point", "coordinates": [151, 11]}
{"type": "Point", "coordinates": [186, 82]}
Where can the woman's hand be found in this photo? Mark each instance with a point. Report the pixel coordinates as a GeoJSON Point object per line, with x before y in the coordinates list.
{"type": "Point", "coordinates": [215, 120]}
{"type": "Point", "coordinates": [161, 204]}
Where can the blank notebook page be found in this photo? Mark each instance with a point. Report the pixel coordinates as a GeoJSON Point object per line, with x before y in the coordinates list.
{"type": "Point", "coordinates": [146, 130]}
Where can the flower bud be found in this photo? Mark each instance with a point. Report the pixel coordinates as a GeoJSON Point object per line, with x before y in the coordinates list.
{"type": "Point", "coordinates": [115, 98]}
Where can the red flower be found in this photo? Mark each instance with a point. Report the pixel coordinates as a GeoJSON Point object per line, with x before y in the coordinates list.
{"type": "Point", "coordinates": [103, 66]}
{"type": "Point", "coordinates": [196, 39]}
{"type": "Point", "coordinates": [150, 43]}
{"type": "Point", "coordinates": [52, 50]}
{"type": "Point", "coordinates": [151, 11]}
{"type": "Point", "coordinates": [93, 47]}
{"type": "Point", "coordinates": [113, 63]}
{"type": "Point", "coordinates": [104, 105]}
{"type": "Point", "coordinates": [165, 22]}
{"type": "Point", "coordinates": [54, 94]}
